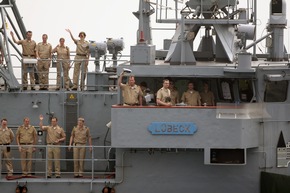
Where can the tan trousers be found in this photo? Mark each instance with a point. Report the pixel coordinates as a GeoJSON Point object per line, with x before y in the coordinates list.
{"type": "Point", "coordinates": [77, 69]}
{"type": "Point", "coordinates": [43, 71]}
{"type": "Point", "coordinates": [65, 67]}
{"type": "Point", "coordinates": [79, 156]}
{"type": "Point", "coordinates": [53, 153]}
{"type": "Point", "coordinates": [26, 160]}
{"type": "Point", "coordinates": [6, 155]}
{"type": "Point", "coordinates": [24, 74]}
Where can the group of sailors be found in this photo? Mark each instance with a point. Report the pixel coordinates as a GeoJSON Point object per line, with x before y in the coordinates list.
{"type": "Point", "coordinates": [26, 139]}
{"type": "Point", "coordinates": [168, 95]}
{"type": "Point", "coordinates": [43, 53]}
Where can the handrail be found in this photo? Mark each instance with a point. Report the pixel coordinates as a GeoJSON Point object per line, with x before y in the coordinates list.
{"type": "Point", "coordinates": [90, 173]}
{"type": "Point", "coordinates": [53, 71]}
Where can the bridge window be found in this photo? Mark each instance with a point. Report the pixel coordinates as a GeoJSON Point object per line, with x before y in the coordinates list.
{"type": "Point", "coordinates": [245, 90]}
{"type": "Point", "coordinates": [225, 90]}
{"type": "Point", "coordinates": [227, 156]}
{"type": "Point", "coordinates": [277, 6]}
{"type": "Point", "coordinates": [276, 91]}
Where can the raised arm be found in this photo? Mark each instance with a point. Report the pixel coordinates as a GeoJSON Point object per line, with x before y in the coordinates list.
{"type": "Point", "coordinates": [120, 79]}
{"type": "Point", "coordinates": [40, 122]}
{"type": "Point", "coordinates": [72, 37]}
{"type": "Point", "coordinates": [13, 38]}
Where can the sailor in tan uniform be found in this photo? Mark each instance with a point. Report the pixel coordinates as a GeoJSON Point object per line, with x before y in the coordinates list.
{"type": "Point", "coordinates": [55, 135]}
{"type": "Point", "coordinates": [163, 97]}
{"type": "Point", "coordinates": [79, 137]}
{"type": "Point", "coordinates": [82, 56]}
{"type": "Point", "coordinates": [26, 139]}
{"type": "Point", "coordinates": [6, 138]}
{"type": "Point", "coordinates": [173, 93]}
{"type": "Point", "coordinates": [63, 57]}
{"type": "Point", "coordinates": [132, 94]}
{"type": "Point", "coordinates": [28, 51]}
{"type": "Point", "coordinates": [207, 96]}
{"type": "Point", "coordinates": [43, 54]}
{"type": "Point", "coordinates": [191, 97]}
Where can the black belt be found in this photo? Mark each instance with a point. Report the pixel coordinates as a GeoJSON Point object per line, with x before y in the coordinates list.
{"type": "Point", "coordinates": [135, 104]}
{"type": "Point", "coordinates": [25, 143]}
{"type": "Point", "coordinates": [5, 144]}
{"type": "Point", "coordinates": [52, 144]}
{"type": "Point", "coordinates": [81, 54]}
{"type": "Point", "coordinates": [29, 55]}
{"type": "Point", "coordinates": [80, 143]}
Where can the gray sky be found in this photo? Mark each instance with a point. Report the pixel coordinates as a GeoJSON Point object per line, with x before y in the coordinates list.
{"type": "Point", "coordinates": [101, 19]}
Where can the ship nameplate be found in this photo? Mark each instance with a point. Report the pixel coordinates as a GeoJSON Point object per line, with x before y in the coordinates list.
{"type": "Point", "coordinates": [172, 128]}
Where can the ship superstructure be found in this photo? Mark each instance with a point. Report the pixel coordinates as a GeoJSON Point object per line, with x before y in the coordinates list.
{"type": "Point", "coordinates": [235, 145]}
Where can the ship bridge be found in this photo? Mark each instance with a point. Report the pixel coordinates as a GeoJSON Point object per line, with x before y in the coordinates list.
{"type": "Point", "coordinates": [230, 127]}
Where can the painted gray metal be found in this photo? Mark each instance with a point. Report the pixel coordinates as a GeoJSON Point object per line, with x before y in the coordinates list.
{"type": "Point", "coordinates": [143, 162]}
{"type": "Point", "coordinates": [130, 129]}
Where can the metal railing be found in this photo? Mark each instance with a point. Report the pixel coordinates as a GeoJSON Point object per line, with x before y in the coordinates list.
{"type": "Point", "coordinates": [96, 164]}
{"type": "Point", "coordinates": [103, 64]}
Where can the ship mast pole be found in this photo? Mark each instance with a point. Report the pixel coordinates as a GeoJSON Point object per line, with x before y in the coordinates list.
{"type": "Point", "coordinates": [255, 23]}
{"type": "Point", "coordinates": [141, 28]}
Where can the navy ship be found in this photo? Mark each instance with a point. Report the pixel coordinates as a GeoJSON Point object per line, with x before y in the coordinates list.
{"type": "Point", "coordinates": [239, 144]}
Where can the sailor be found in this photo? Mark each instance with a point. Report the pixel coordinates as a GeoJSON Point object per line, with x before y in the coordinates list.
{"type": "Point", "coordinates": [6, 138]}
{"type": "Point", "coordinates": [55, 135]}
{"type": "Point", "coordinates": [28, 51]}
{"type": "Point", "coordinates": [43, 54]}
{"type": "Point", "coordinates": [191, 97]}
{"type": "Point", "coordinates": [207, 97]}
{"type": "Point", "coordinates": [174, 95]}
{"type": "Point", "coordinates": [63, 61]}
{"type": "Point", "coordinates": [147, 96]}
{"type": "Point", "coordinates": [163, 97]}
{"type": "Point", "coordinates": [26, 139]}
{"type": "Point", "coordinates": [80, 135]}
{"type": "Point", "coordinates": [82, 56]}
{"type": "Point", "coordinates": [132, 93]}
